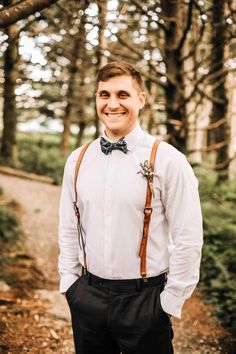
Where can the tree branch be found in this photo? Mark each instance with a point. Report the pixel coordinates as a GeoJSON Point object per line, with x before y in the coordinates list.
{"type": "Point", "coordinates": [187, 28]}
{"type": "Point", "coordinates": [22, 9]}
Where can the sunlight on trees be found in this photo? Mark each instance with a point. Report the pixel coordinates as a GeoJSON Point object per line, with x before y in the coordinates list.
{"type": "Point", "coordinates": [61, 47]}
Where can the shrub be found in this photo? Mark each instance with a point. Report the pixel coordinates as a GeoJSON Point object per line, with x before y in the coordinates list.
{"type": "Point", "coordinates": [219, 252]}
{"type": "Point", "coordinates": [40, 154]}
{"type": "Point", "coordinates": [9, 231]}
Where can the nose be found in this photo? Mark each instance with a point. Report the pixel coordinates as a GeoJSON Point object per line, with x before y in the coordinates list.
{"type": "Point", "coordinates": [113, 103]}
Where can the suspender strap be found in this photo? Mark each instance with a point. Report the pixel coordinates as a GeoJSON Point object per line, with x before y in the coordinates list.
{"type": "Point", "coordinates": [78, 163]}
{"type": "Point", "coordinates": [76, 208]}
{"type": "Point", "coordinates": [147, 216]}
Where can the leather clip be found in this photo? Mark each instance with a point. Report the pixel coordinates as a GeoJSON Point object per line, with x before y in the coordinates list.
{"type": "Point", "coordinates": [147, 210]}
{"type": "Point", "coordinates": [144, 277]}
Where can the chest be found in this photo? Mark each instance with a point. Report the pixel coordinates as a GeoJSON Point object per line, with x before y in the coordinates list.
{"type": "Point", "coordinates": [114, 180]}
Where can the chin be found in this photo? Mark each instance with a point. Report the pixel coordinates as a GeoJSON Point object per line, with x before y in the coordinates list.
{"type": "Point", "coordinates": [115, 127]}
{"type": "Point", "coordinates": [116, 133]}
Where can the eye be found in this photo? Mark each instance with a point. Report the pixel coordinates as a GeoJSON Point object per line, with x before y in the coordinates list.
{"type": "Point", "coordinates": [103, 95]}
{"type": "Point", "coordinates": [123, 95]}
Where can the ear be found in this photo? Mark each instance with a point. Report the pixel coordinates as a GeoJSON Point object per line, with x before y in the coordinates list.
{"type": "Point", "coordinates": [142, 99]}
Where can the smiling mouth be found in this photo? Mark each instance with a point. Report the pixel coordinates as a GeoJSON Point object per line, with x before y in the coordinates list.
{"type": "Point", "coordinates": [114, 115]}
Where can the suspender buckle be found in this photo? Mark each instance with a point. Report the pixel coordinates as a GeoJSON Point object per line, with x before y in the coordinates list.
{"type": "Point", "coordinates": [147, 210]}
{"type": "Point", "coordinates": [144, 277]}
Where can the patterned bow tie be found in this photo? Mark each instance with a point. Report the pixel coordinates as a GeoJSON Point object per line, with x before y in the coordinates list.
{"type": "Point", "coordinates": [107, 147]}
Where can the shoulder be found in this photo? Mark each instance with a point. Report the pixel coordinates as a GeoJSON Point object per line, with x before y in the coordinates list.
{"type": "Point", "coordinates": [169, 160]}
{"type": "Point", "coordinates": [165, 150]}
{"type": "Point", "coordinates": [73, 157]}
{"type": "Point", "coordinates": [170, 152]}
{"type": "Point", "coordinates": [174, 164]}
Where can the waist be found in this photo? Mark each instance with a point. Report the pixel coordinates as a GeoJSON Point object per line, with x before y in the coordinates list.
{"type": "Point", "coordinates": [125, 283]}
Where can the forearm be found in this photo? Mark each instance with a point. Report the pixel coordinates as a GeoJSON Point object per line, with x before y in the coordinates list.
{"type": "Point", "coordinates": [68, 263]}
{"type": "Point", "coordinates": [182, 278]}
{"type": "Point", "coordinates": [183, 213]}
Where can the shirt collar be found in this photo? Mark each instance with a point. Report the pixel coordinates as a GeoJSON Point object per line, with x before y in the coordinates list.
{"type": "Point", "coordinates": [132, 138]}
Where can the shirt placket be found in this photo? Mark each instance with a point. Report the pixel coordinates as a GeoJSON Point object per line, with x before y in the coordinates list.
{"type": "Point", "coordinates": [108, 216]}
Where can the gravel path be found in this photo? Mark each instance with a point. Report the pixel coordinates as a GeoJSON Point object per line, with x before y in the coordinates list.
{"type": "Point", "coordinates": [197, 333]}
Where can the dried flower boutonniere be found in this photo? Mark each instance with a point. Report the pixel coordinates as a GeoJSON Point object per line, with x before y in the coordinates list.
{"type": "Point", "coordinates": [148, 173]}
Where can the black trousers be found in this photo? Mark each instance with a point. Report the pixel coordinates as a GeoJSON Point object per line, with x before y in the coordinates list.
{"type": "Point", "coordinates": [114, 316]}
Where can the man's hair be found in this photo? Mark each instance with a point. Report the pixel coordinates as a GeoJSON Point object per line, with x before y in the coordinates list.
{"type": "Point", "coordinates": [117, 68]}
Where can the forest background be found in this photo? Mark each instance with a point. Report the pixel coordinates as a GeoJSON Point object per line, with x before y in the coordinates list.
{"type": "Point", "coordinates": [50, 52]}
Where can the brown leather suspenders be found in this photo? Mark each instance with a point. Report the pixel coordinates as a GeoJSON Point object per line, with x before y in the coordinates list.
{"type": "Point", "coordinates": [76, 208]}
{"type": "Point", "coordinates": [147, 211]}
{"type": "Point", "coordinates": [147, 216]}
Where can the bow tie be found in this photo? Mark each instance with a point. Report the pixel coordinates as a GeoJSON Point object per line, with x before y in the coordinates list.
{"type": "Point", "coordinates": [107, 147]}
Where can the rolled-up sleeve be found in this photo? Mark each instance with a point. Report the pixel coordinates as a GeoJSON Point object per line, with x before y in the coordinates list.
{"type": "Point", "coordinates": [184, 218]}
{"type": "Point", "coordinates": [68, 264]}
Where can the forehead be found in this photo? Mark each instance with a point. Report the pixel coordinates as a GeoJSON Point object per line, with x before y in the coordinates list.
{"type": "Point", "coordinates": [118, 83]}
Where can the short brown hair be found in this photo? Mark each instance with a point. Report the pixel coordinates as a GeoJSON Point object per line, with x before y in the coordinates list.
{"type": "Point", "coordinates": [117, 68]}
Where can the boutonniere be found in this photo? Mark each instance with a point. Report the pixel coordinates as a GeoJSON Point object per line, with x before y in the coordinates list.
{"type": "Point", "coordinates": [148, 173]}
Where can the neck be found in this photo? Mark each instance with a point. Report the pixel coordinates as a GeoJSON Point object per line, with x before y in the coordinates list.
{"type": "Point", "coordinates": [116, 137]}
{"type": "Point", "coordinates": [113, 138]}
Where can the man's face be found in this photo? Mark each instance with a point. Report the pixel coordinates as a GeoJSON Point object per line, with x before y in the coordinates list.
{"type": "Point", "coordinates": [118, 102]}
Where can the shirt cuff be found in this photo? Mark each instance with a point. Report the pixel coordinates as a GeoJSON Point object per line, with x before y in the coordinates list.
{"type": "Point", "coordinates": [171, 304]}
{"type": "Point", "coordinates": [66, 281]}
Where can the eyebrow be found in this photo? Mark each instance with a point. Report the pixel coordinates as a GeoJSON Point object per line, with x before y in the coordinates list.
{"type": "Point", "coordinates": [103, 91]}
{"type": "Point", "coordinates": [119, 92]}
{"type": "Point", "coordinates": [123, 91]}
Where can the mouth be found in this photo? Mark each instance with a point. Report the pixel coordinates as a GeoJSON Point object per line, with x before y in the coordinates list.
{"type": "Point", "coordinates": [115, 115]}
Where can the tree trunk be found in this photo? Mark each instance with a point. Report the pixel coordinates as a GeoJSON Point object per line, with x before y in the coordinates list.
{"type": "Point", "coordinates": [9, 146]}
{"type": "Point", "coordinates": [102, 12]}
{"type": "Point", "coordinates": [102, 45]}
{"type": "Point", "coordinates": [65, 142]}
{"type": "Point", "coordinates": [175, 107]}
{"type": "Point", "coordinates": [81, 133]}
{"type": "Point", "coordinates": [149, 107]}
{"type": "Point", "coordinates": [221, 134]}
{"type": "Point", "coordinates": [65, 139]}
{"type": "Point", "coordinates": [76, 92]}
{"type": "Point", "coordinates": [194, 107]}
{"type": "Point", "coordinates": [81, 93]}
{"type": "Point", "coordinates": [81, 109]}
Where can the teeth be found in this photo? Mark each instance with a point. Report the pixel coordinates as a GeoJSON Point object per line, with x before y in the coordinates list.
{"type": "Point", "coordinates": [115, 115]}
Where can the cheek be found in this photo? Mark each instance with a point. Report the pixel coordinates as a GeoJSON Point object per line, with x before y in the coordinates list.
{"type": "Point", "coordinates": [135, 108]}
{"type": "Point", "coordinates": [99, 106]}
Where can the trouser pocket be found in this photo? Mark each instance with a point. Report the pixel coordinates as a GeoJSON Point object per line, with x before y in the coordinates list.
{"type": "Point", "coordinates": [72, 291]}
{"type": "Point", "coordinates": [160, 314]}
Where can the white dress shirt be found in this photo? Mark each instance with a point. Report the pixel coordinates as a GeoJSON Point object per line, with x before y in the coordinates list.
{"type": "Point", "coordinates": [111, 199]}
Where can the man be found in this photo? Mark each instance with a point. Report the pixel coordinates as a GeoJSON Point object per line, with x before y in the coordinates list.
{"type": "Point", "coordinates": [115, 307]}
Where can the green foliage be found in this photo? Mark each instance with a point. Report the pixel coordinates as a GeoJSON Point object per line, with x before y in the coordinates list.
{"type": "Point", "coordinates": [219, 253]}
{"type": "Point", "coordinates": [9, 230]}
{"type": "Point", "coordinates": [40, 154]}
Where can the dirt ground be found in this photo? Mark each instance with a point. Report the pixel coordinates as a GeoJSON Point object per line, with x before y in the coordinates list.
{"type": "Point", "coordinates": [34, 317]}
